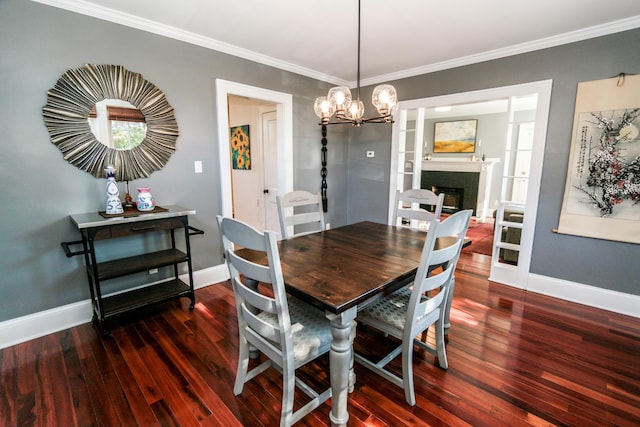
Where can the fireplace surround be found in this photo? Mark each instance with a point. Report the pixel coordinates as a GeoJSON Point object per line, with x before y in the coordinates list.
{"type": "Point", "coordinates": [473, 176]}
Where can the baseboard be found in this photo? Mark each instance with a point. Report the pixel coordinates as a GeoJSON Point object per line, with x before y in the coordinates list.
{"type": "Point", "coordinates": [25, 328]}
{"type": "Point", "coordinates": [618, 302]}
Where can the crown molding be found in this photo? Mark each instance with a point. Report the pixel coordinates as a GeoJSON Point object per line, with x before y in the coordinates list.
{"type": "Point", "coordinates": [132, 21]}
{"type": "Point", "coordinates": [111, 15]}
{"type": "Point", "coordinates": [566, 38]}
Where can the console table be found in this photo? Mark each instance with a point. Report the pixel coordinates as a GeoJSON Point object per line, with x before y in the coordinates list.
{"type": "Point", "coordinates": [94, 227]}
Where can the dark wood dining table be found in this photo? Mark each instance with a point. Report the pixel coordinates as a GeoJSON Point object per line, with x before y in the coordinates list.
{"type": "Point", "coordinates": [342, 270]}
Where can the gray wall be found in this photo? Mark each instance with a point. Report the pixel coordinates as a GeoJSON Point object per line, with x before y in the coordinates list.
{"type": "Point", "coordinates": [601, 263]}
{"type": "Point", "coordinates": [40, 189]}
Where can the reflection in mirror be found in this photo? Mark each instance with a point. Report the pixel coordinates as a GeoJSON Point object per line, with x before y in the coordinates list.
{"type": "Point", "coordinates": [117, 124]}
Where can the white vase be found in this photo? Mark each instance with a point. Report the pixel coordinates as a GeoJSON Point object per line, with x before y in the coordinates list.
{"type": "Point", "coordinates": [114, 206]}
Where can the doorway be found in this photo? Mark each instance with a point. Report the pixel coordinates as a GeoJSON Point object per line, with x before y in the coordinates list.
{"type": "Point", "coordinates": [410, 139]}
{"type": "Point", "coordinates": [255, 184]}
{"type": "Point", "coordinates": [283, 132]}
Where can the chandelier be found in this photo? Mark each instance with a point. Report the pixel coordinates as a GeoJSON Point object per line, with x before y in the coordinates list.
{"type": "Point", "coordinates": [340, 104]}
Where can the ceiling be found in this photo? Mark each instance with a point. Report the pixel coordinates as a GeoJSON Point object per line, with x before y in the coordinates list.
{"type": "Point", "coordinates": [399, 38]}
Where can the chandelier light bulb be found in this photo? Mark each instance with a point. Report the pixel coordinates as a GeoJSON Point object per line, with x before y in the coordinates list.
{"type": "Point", "coordinates": [341, 96]}
{"type": "Point", "coordinates": [355, 111]}
{"type": "Point", "coordinates": [324, 108]}
{"type": "Point", "coordinates": [385, 99]}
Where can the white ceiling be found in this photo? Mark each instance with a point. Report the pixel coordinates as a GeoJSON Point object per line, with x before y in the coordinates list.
{"type": "Point", "coordinates": [400, 38]}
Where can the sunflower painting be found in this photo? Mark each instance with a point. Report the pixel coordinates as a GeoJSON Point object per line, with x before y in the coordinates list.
{"type": "Point", "coordinates": [240, 149]}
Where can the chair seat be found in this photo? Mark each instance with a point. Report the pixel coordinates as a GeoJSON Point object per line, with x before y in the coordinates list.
{"type": "Point", "coordinates": [311, 332]}
{"type": "Point", "coordinates": [391, 310]}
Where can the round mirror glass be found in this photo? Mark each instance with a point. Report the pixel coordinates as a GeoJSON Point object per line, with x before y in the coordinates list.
{"type": "Point", "coordinates": [117, 124]}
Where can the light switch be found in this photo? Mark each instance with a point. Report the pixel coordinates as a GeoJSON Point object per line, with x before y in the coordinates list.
{"type": "Point", "coordinates": [197, 166]}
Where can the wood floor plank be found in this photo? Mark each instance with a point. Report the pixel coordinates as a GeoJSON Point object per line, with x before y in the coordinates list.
{"type": "Point", "coordinates": [516, 359]}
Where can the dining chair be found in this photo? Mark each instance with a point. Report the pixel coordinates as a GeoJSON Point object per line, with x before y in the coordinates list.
{"type": "Point", "coordinates": [287, 331]}
{"type": "Point", "coordinates": [408, 312]}
{"type": "Point", "coordinates": [300, 208]}
{"type": "Point", "coordinates": [413, 214]}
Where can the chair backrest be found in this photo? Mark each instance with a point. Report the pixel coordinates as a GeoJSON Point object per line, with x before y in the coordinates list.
{"type": "Point", "coordinates": [407, 206]}
{"type": "Point", "coordinates": [430, 279]}
{"type": "Point", "coordinates": [300, 208]}
{"type": "Point", "coordinates": [250, 301]}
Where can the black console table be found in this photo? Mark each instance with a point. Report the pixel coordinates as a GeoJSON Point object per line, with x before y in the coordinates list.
{"type": "Point", "coordinates": [95, 227]}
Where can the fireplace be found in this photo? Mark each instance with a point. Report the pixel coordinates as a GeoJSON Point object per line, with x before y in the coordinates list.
{"type": "Point", "coordinates": [453, 198]}
{"type": "Point", "coordinates": [460, 188]}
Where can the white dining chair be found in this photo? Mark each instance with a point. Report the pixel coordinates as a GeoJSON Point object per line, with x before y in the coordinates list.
{"type": "Point", "coordinates": [409, 311]}
{"type": "Point", "coordinates": [407, 209]}
{"type": "Point", "coordinates": [300, 212]}
{"type": "Point", "coordinates": [287, 331]}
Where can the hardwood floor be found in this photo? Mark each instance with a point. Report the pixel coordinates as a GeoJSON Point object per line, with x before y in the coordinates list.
{"type": "Point", "coordinates": [515, 359]}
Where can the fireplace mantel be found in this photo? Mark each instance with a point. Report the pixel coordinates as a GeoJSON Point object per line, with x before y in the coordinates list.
{"type": "Point", "coordinates": [483, 167]}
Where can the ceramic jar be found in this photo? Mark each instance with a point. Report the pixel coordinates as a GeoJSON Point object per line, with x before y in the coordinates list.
{"type": "Point", "coordinates": [145, 200]}
{"type": "Point", "coordinates": [113, 205]}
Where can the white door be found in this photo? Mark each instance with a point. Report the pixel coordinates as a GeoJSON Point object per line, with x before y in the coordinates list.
{"type": "Point", "coordinates": [270, 169]}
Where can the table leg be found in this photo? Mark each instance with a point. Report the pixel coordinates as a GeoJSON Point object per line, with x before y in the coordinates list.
{"type": "Point", "coordinates": [340, 359]}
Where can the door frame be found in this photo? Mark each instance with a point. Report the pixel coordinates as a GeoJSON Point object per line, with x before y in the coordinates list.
{"type": "Point", "coordinates": [284, 111]}
{"type": "Point", "coordinates": [509, 275]}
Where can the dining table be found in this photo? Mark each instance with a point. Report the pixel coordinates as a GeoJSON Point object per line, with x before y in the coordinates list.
{"type": "Point", "coordinates": [341, 271]}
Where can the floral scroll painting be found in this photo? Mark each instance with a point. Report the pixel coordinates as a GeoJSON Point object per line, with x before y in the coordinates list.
{"type": "Point", "coordinates": [602, 191]}
{"type": "Point", "coordinates": [240, 148]}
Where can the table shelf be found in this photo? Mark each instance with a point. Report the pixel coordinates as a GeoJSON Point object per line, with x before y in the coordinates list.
{"type": "Point", "coordinates": [138, 263]}
{"type": "Point", "coordinates": [124, 302]}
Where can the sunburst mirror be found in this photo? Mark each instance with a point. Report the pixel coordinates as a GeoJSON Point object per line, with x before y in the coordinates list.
{"type": "Point", "coordinates": [132, 105]}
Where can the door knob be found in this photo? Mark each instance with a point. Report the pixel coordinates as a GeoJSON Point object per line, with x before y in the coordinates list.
{"type": "Point", "coordinates": [265, 191]}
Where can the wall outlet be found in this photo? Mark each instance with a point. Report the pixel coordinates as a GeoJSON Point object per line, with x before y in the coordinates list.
{"type": "Point", "coordinates": [327, 226]}
{"type": "Point", "coordinates": [197, 166]}
{"type": "Point", "coordinates": [153, 271]}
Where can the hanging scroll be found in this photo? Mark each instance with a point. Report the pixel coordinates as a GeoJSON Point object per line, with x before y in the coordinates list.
{"type": "Point", "coordinates": [602, 191]}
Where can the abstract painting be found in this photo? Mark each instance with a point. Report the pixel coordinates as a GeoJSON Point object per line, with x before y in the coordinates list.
{"type": "Point", "coordinates": [455, 137]}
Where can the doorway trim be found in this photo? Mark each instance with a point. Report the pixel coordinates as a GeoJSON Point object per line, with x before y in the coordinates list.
{"type": "Point", "coordinates": [284, 112]}
{"type": "Point", "coordinates": [513, 276]}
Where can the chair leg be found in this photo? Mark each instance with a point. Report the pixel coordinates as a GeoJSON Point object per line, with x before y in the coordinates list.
{"type": "Point", "coordinates": [407, 372]}
{"type": "Point", "coordinates": [447, 305]}
{"type": "Point", "coordinates": [288, 390]}
{"type": "Point", "coordinates": [441, 349]}
{"type": "Point", "coordinates": [352, 372]}
{"type": "Point", "coordinates": [243, 366]}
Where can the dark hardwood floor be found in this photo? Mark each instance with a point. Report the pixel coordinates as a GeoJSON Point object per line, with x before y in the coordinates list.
{"type": "Point", "coordinates": [515, 359]}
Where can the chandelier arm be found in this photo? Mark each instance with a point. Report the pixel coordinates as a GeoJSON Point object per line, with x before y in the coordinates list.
{"type": "Point", "coordinates": [358, 72]}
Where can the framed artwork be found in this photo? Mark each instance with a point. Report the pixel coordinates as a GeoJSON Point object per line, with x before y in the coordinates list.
{"type": "Point", "coordinates": [602, 189]}
{"type": "Point", "coordinates": [240, 148]}
{"type": "Point", "coordinates": [455, 137]}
